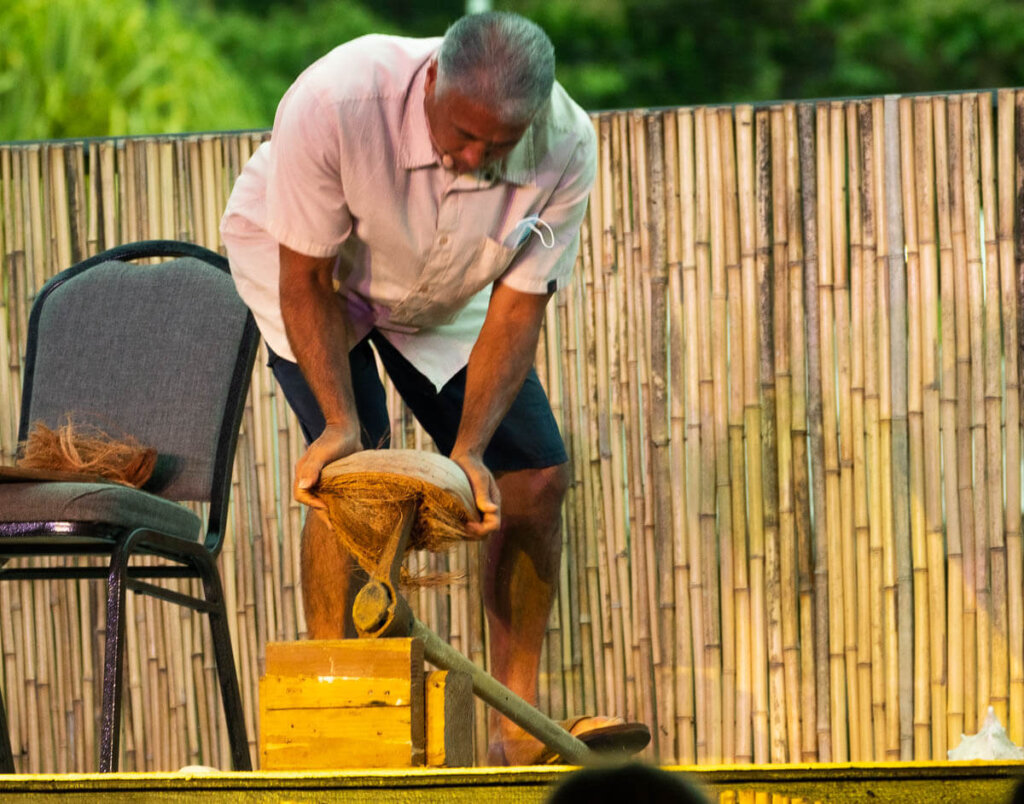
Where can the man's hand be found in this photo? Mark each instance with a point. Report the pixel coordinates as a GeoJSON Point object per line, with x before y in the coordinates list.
{"type": "Point", "coordinates": [334, 443]}
{"type": "Point", "coordinates": [485, 494]}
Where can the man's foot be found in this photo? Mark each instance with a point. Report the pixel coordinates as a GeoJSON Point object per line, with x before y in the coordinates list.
{"type": "Point", "coordinates": [604, 735]}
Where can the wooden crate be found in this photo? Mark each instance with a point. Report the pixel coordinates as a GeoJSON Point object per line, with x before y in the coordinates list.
{"type": "Point", "coordinates": [328, 704]}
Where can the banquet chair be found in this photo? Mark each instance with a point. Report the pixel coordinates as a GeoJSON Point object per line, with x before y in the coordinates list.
{"type": "Point", "coordinates": [148, 340]}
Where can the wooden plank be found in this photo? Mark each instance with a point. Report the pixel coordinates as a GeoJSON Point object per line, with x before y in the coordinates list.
{"type": "Point", "coordinates": [356, 737]}
{"type": "Point", "coordinates": [449, 719]}
{"type": "Point", "coordinates": [291, 693]}
{"type": "Point", "coordinates": [354, 658]}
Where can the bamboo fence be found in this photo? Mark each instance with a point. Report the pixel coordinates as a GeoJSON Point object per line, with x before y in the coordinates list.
{"type": "Point", "coordinates": [787, 374]}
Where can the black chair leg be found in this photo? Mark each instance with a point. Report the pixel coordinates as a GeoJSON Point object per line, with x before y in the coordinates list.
{"type": "Point", "coordinates": [113, 665]}
{"type": "Point", "coordinates": [6, 752]}
{"type": "Point", "coordinates": [230, 692]}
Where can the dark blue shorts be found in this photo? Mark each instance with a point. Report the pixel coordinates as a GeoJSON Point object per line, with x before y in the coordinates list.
{"type": "Point", "coordinates": [527, 437]}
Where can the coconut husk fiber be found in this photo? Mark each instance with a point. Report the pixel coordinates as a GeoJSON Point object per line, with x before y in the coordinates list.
{"type": "Point", "coordinates": [366, 495]}
{"type": "Point", "coordinates": [87, 450]}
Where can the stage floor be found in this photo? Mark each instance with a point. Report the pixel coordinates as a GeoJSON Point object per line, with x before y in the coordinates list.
{"type": "Point", "coordinates": [933, 782]}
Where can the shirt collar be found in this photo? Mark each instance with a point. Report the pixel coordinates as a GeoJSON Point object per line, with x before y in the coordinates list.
{"type": "Point", "coordinates": [415, 148]}
{"type": "Point", "coordinates": [417, 151]}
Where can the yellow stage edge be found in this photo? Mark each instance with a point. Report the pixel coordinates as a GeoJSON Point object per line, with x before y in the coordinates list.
{"type": "Point", "coordinates": [898, 782]}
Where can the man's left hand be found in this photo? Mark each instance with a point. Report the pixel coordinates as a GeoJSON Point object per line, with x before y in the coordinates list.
{"type": "Point", "coordinates": [485, 494]}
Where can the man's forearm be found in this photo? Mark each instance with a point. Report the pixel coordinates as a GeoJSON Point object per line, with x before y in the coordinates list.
{"type": "Point", "coordinates": [498, 365]}
{"type": "Point", "coordinates": [317, 327]}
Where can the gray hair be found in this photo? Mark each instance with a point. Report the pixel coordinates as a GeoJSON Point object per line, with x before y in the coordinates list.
{"type": "Point", "coordinates": [499, 59]}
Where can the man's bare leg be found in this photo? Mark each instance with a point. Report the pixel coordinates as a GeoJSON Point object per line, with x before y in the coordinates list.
{"type": "Point", "coordinates": [330, 580]}
{"type": "Point", "coordinates": [520, 579]}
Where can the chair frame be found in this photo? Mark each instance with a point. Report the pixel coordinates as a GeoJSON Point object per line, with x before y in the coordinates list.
{"type": "Point", "coordinates": [193, 559]}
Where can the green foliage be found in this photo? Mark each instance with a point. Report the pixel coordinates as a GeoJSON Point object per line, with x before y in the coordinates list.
{"type": "Point", "coordinates": [72, 68]}
{"type": "Point", "coordinates": [272, 48]}
{"type": "Point", "coordinates": [876, 46]}
{"type": "Point", "coordinates": [635, 53]}
{"type": "Point", "coordinates": [94, 67]}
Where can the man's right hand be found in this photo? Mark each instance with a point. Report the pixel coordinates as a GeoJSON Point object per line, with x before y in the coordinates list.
{"type": "Point", "coordinates": [335, 442]}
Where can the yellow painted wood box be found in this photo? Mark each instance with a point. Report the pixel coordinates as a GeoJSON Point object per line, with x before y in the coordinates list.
{"type": "Point", "coordinates": [360, 703]}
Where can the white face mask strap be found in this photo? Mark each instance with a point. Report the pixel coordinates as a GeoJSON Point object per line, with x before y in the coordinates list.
{"type": "Point", "coordinates": [534, 224]}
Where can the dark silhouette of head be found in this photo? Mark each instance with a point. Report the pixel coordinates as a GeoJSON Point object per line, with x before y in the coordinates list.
{"type": "Point", "coordinates": [632, 783]}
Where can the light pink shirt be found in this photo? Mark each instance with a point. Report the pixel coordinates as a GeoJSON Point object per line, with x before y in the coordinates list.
{"type": "Point", "coordinates": [350, 171]}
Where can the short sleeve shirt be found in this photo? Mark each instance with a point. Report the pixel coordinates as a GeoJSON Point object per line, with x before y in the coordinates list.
{"type": "Point", "coordinates": [350, 171]}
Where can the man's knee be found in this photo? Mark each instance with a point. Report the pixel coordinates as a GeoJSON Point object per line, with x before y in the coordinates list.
{"type": "Point", "coordinates": [554, 482]}
{"type": "Point", "coordinates": [535, 494]}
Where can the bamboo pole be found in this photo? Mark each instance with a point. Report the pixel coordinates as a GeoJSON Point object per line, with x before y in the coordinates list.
{"type": "Point", "coordinates": [953, 660]}
{"type": "Point", "coordinates": [61, 671]}
{"type": "Point", "coordinates": [601, 472]}
{"type": "Point", "coordinates": [700, 582]}
{"type": "Point", "coordinates": [815, 432]}
{"type": "Point", "coordinates": [800, 439]}
{"type": "Point", "coordinates": [22, 606]}
{"type": "Point", "coordinates": [643, 558]}
{"type": "Point", "coordinates": [841, 739]}
{"type": "Point", "coordinates": [1014, 572]}
{"type": "Point", "coordinates": [58, 216]}
{"type": "Point", "coordinates": [976, 291]}
{"type": "Point", "coordinates": [868, 202]}
{"type": "Point", "coordinates": [858, 446]}
{"type": "Point", "coordinates": [898, 565]}
{"type": "Point", "coordinates": [1014, 557]}
{"type": "Point", "coordinates": [178, 715]}
{"type": "Point", "coordinates": [687, 444]}
{"type": "Point", "coordinates": [660, 433]}
{"type": "Point", "coordinates": [844, 391]}
{"type": "Point", "coordinates": [999, 670]}
{"type": "Point", "coordinates": [767, 443]}
{"type": "Point", "coordinates": [35, 237]}
{"type": "Point", "coordinates": [634, 567]}
{"type": "Point", "coordinates": [74, 163]}
{"type": "Point", "coordinates": [890, 667]}
{"type": "Point", "coordinates": [590, 618]}
{"type": "Point", "coordinates": [44, 245]}
{"type": "Point", "coordinates": [909, 127]}
{"type": "Point", "coordinates": [615, 482]}
{"type": "Point", "coordinates": [762, 515]}
{"type": "Point", "coordinates": [788, 589]}
{"type": "Point", "coordinates": [964, 466]}
{"type": "Point", "coordinates": [872, 617]}
{"type": "Point", "coordinates": [721, 176]}
{"type": "Point", "coordinates": [579, 682]}
{"type": "Point", "coordinates": [41, 646]}
{"type": "Point", "coordinates": [924, 160]}
{"type": "Point", "coordinates": [564, 677]}
{"type": "Point", "coordinates": [592, 670]}
{"type": "Point", "coordinates": [13, 670]}
{"type": "Point", "coordinates": [8, 316]}
{"type": "Point", "coordinates": [735, 630]}
{"type": "Point", "coordinates": [33, 689]}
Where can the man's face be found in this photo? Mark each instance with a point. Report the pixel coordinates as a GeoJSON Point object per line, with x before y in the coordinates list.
{"type": "Point", "coordinates": [465, 132]}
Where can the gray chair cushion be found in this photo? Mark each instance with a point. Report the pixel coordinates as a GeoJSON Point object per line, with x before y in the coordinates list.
{"type": "Point", "coordinates": [95, 502]}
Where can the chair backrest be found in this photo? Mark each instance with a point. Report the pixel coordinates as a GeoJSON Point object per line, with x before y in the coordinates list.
{"type": "Point", "coordinates": [162, 352]}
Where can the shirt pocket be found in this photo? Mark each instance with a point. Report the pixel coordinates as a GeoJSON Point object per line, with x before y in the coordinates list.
{"type": "Point", "coordinates": [437, 302]}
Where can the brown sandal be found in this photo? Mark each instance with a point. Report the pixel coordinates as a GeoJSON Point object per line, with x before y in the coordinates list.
{"type": "Point", "coordinates": [610, 736]}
